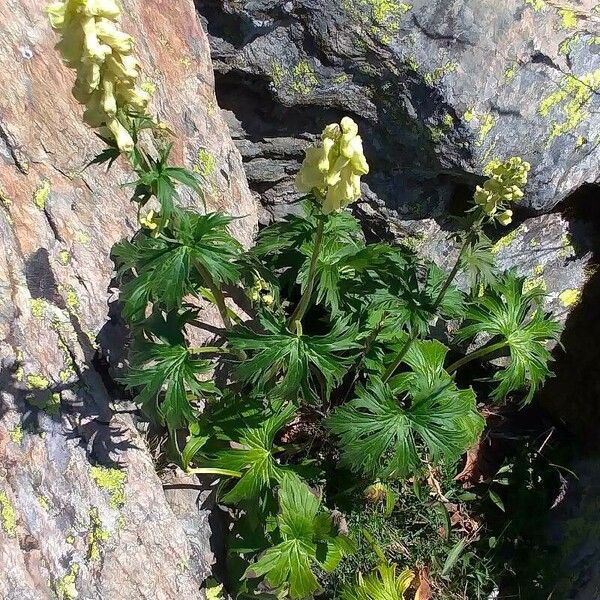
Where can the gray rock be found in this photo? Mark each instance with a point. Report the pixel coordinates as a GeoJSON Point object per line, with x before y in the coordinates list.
{"type": "Point", "coordinates": [439, 88]}
{"type": "Point", "coordinates": [83, 513]}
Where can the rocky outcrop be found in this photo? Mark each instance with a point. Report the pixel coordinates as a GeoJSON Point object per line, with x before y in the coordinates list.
{"type": "Point", "coordinates": [439, 88]}
{"type": "Point", "coordinates": [82, 512]}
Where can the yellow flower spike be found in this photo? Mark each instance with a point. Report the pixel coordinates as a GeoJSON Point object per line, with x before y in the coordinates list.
{"type": "Point", "coordinates": [333, 169]}
{"type": "Point", "coordinates": [93, 45]}
{"type": "Point", "coordinates": [122, 137]}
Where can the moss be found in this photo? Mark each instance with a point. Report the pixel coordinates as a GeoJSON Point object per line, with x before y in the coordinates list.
{"type": "Point", "coordinates": [96, 536]}
{"type": "Point", "coordinates": [41, 194]}
{"type": "Point", "coordinates": [569, 297]}
{"type": "Point", "coordinates": [64, 256]}
{"type": "Point", "coordinates": [570, 101]}
{"type": "Point", "coordinates": [16, 435]}
{"type": "Point", "coordinates": [113, 481]}
{"type": "Point", "coordinates": [205, 163]}
{"type": "Point", "coordinates": [304, 79]}
{"type": "Point", "coordinates": [506, 241]}
{"type": "Point", "coordinates": [37, 382]}
{"type": "Point", "coordinates": [38, 307]}
{"type": "Point", "coordinates": [66, 586]}
{"type": "Point", "coordinates": [413, 242]}
{"type": "Point", "coordinates": [437, 74]}
{"type": "Point", "coordinates": [8, 516]}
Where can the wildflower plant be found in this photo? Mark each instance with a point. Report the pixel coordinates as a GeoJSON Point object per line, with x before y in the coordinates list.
{"type": "Point", "coordinates": [336, 370]}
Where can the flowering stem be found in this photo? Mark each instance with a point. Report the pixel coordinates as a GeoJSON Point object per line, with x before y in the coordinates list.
{"type": "Point", "coordinates": [216, 292]}
{"type": "Point", "coordinates": [208, 350]}
{"type": "Point", "coordinates": [301, 308]}
{"type": "Point", "coordinates": [475, 355]}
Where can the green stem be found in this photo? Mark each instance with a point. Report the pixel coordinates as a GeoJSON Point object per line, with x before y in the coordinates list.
{"type": "Point", "coordinates": [210, 471]}
{"type": "Point", "coordinates": [440, 297]}
{"type": "Point", "coordinates": [208, 350]}
{"type": "Point", "coordinates": [485, 351]}
{"type": "Point", "coordinates": [216, 292]}
{"type": "Point", "coordinates": [298, 314]}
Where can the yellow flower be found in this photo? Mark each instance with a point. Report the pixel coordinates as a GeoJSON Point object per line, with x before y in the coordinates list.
{"type": "Point", "coordinates": [101, 53]}
{"type": "Point", "coordinates": [148, 222]}
{"type": "Point", "coordinates": [505, 185]}
{"type": "Point", "coordinates": [333, 169]}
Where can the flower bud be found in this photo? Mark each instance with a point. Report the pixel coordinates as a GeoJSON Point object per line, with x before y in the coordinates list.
{"type": "Point", "coordinates": [505, 218]}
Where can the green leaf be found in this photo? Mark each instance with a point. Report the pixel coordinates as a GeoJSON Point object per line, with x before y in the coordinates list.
{"type": "Point", "coordinates": [495, 498]}
{"type": "Point", "coordinates": [479, 264]}
{"type": "Point", "coordinates": [162, 269]}
{"type": "Point", "coordinates": [166, 376]}
{"type": "Point", "coordinates": [308, 537]}
{"type": "Point", "coordinates": [294, 366]}
{"type": "Point", "coordinates": [382, 584]}
{"type": "Point", "coordinates": [383, 428]}
{"type": "Point", "coordinates": [453, 556]}
{"type": "Point", "coordinates": [252, 454]}
{"type": "Point", "coordinates": [510, 314]}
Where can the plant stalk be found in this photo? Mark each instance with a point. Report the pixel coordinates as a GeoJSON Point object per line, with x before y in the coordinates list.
{"type": "Point", "coordinates": [304, 303]}
{"type": "Point", "coordinates": [440, 297]}
{"type": "Point", "coordinates": [216, 292]}
{"type": "Point", "coordinates": [208, 350]}
{"type": "Point", "coordinates": [485, 351]}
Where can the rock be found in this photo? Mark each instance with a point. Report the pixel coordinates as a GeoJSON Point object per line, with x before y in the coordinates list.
{"type": "Point", "coordinates": [439, 89]}
{"type": "Point", "coordinates": [82, 512]}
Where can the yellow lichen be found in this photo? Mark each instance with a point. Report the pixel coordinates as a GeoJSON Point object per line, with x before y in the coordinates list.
{"type": "Point", "coordinates": [16, 435]}
{"type": "Point", "coordinates": [438, 73]}
{"type": "Point", "coordinates": [533, 283]}
{"type": "Point", "coordinates": [41, 194]}
{"type": "Point", "coordinates": [537, 5]}
{"type": "Point", "coordinates": [510, 72]}
{"type": "Point", "coordinates": [569, 297]}
{"type": "Point", "coordinates": [38, 307]}
{"type": "Point", "coordinates": [64, 256]}
{"type": "Point", "coordinates": [569, 18]}
{"type": "Point", "coordinates": [571, 99]}
{"type": "Point", "coordinates": [566, 46]}
{"type": "Point", "coordinates": [96, 536]}
{"type": "Point", "coordinates": [8, 516]}
{"type": "Point", "coordinates": [37, 382]}
{"type": "Point", "coordinates": [149, 87]}
{"type": "Point", "coordinates": [304, 79]}
{"type": "Point", "coordinates": [382, 18]}
{"type": "Point", "coordinates": [205, 163]}
{"type": "Point", "coordinates": [72, 300]}
{"type": "Point", "coordinates": [66, 586]}
{"type": "Point", "coordinates": [506, 241]}
{"type": "Point", "coordinates": [113, 481]}
{"type": "Point", "coordinates": [44, 503]}
{"type": "Point", "coordinates": [83, 237]}
{"type": "Point", "coordinates": [469, 116]}
{"type": "Point", "coordinates": [488, 122]}
{"type": "Point", "coordinates": [277, 73]}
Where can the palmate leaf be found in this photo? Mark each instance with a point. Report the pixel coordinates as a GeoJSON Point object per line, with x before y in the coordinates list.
{"type": "Point", "coordinates": [513, 316]}
{"type": "Point", "coordinates": [293, 366]}
{"type": "Point", "coordinates": [251, 453]}
{"type": "Point", "coordinates": [163, 269]}
{"type": "Point", "coordinates": [479, 264]}
{"type": "Point", "coordinates": [382, 584]}
{"type": "Point", "coordinates": [409, 300]}
{"type": "Point", "coordinates": [166, 375]}
{"type": "Point", "coordinates": [383, 428]}
{"type": "Point", "coordinates": [308, 537]}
